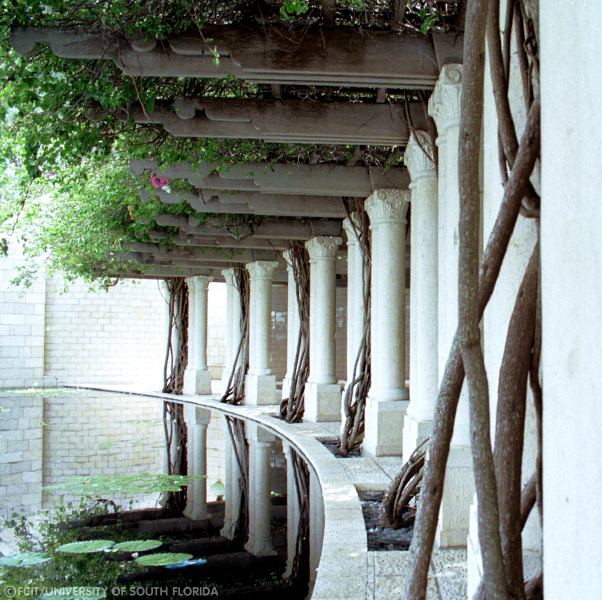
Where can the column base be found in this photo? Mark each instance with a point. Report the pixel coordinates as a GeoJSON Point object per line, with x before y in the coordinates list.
{"type": "Point", "coordinates": [260, 548]}
{"type": "Point", "coordinates": [196, 514]}
{"type": "Point", "coordinates": [260, 390]}
{"type": "Point", "coordinates": [322, 402]}
{"type": "Point", "coordinates": [384, 427]}
{"type": "Point", "coordinates": [197, 382]}
{"type": "Point", "coordinates": [415, 431]}
{"type": "Point", "coordinates": [458, 491]}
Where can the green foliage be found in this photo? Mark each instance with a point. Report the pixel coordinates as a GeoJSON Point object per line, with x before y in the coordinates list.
{"type": "Point", "coordinates": [162, 559]}
{"type": "Point", "coordinates": [87, 547]}
{"type": "Point", "coordinates": [24, 559]}
{"type": "Point", "coordinates": [137, 546]}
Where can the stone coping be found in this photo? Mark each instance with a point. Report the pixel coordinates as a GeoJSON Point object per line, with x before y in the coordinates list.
{"type": "Point", "coordinates": [343, 568]}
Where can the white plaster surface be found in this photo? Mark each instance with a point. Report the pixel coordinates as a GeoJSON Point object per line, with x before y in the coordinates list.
{"type": "Point", "coordinates": [571, 226]}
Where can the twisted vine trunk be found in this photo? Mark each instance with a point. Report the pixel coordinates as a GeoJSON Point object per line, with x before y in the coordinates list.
{"type": "Point", "coordinates": [293, 406]}
{"type": "Point", "coordinates": [176, 360]}
{"type": "Point", "coordinates": [453, 377]}
{"type": "Point", "coordinates": [236, 431]}
{"type": "Point", "coordinates": [235, 388]}
{"type": "Point", "coordinates": [356, 392]}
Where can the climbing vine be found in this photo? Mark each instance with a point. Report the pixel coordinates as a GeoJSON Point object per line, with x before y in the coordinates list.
{"type": "Point", "coordinates": [293, 406]}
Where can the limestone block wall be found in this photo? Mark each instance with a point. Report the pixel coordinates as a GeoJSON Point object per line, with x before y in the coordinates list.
{"type": "Point", "coordinates": [21, 327]}
{"type": "Point", "coordinates": [113, 336]}
{"type": "Point", "coordinates": [20, 453]}
{"type": "Point", "coordinates": [100, 433]}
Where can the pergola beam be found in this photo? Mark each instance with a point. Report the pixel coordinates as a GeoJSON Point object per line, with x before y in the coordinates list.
{"type": "Point", "coordinates": [281, 178]}
{"type": "Point", "coordinates": [286, 121]}
{"type": "Point", "coordinates": [334, 56]}
{"type": "Point", "coordinates": [252, 203]}
{"type": "Point", "coordinates": [291, 230]}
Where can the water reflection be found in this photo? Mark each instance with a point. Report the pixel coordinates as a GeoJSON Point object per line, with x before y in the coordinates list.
{"type": "Point", "coordinates": [49, 436]}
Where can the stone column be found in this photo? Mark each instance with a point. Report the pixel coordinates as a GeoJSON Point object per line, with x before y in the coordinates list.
{"type": "Point", "coordinates": [230, 295]}
{"type": "Point", "coordinates": [424, 379]}
{"type": "Point", "coordinates": [261, 443]}
{"type": "Point", "coordinates": [292, 509]}
{"type": "Point", "coordinates": [232, 483]}
{"type": "Point", "coordinates": [322, 394]}
{"type": "Point", "coordinates": [260, 384]}
{"type": "Point", "coordinates": [197, 420]}
{"type": "Point", "coordinates": [197, 378]}
{"type": "Point", "coordinates": [292, 325]}
{"type": "Point", "coordinates": [444, 107]}
{"type": "Point", "coordinates": [388, 397]}
{"type": "Point", "coordinates": [355, 295]}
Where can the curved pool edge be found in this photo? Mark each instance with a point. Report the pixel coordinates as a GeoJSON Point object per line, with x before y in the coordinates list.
{"type": "Point", "coordinates": [343, 567]}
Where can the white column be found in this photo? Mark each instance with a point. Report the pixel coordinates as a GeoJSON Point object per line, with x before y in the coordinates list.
{"type": "Point", "coordinates": [232, 483]}
{"type": "Point", "coordinates": [261, 443]}
{"type": "Point", "coordinates": [292, 509]}
{"type": "Point", "coordinates": [197, 378]}
{"type": "Point", "coordinates": [355, 295]}
{"type": "Point", "coordinates": [424, 379]}
{"type": "Point", "coordinates": [444, 107]}
{"type": "Point", "coordinates": [260, 384]}
{"type": "Point", "coordinates": [322, 393]}
{"type": "Point", "coordinates": [197, 420]}
{"type": "Point", "coordinates": [388, 397]}
{"type": "Point", "coordinates": [230, 295]}
{"type": "Point", "coordinates": [571, 257]}
{"type": "Point", "coordinates": [292, 325]}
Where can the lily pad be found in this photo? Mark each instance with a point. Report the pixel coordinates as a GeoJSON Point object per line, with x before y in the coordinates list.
{"type": "Point", "coordinates": [137, 545]}
{"type": "Point", "coordinates": [25, 559]}
{"type": "Point", "coordinates": [162, 559]}
{"type": "Point", "coordinates": [74, 593]}
{"type": "Point", "coordinates": [85, 547]}
{"type": "Point", "coordinates": [193, 562]}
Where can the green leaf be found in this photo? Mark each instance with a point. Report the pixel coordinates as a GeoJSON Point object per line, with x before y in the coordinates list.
{"type": "Point", "coordinates": [86, 547]}
{"type": "Point", "coordinates": [137, 545]}
{"type": "Point", "coordinates": [162, 559]}
{"type": "Point", "coordinates": [24, 559]}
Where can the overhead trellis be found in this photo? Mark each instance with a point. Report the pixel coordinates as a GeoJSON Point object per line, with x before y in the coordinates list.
{"type": "Point", "coordinates": [235, 388]}
{"type": "Point", "coordinates": [356, 392]}
{"type": "Point", "coordinates": [293, 406]}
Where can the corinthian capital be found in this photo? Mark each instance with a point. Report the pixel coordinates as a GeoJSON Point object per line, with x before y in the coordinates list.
{"type": "Point", "coordinates": [419, 156]}
{"type": "Point", "coordinates": [387, 206]}
{"type": "Point", "coordinates": [262, 269]}
{"type": "Point", "coordinates": [323, 247]}
{"type": "Point", "coordinates": [444, 104]}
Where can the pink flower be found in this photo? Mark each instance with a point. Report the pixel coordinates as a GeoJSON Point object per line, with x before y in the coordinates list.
{"type": "Point", "coordinates": [158, 182]}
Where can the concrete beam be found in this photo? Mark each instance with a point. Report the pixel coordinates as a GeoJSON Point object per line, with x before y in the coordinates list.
{"type": "Point", "coordinates": [279, 178]}
{"type": "Point", "coordinates": [285, 230]}
{"type": "Point", "coordinates": [285, 121]}
{"type": "Point", "coordinates": [337, 56]}
{"type": "Point", "coordinates": [254, 203]}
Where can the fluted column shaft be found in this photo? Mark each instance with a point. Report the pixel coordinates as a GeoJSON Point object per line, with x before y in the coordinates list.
{"type": "Point", "coordinates": [292, 325]}
{"type": "Point", "coordinates": [260, 383]}
{"type": "Point", "coordinates": [388, 396]}
{"type": "Point", "coordinates": [322, 394]}
{"type": "Point", "coordinates": [197, 379]}
{"type": "Point", "coordinates": [261, 443]}
{"type": "Point", "coordinates": [228, 333]}
{"type": "Point", "coordinates": [197, 420]}
{"type": "Point", "coordinates": [444, 107]}
{"type": "Point", "coordinates": [423, 292]}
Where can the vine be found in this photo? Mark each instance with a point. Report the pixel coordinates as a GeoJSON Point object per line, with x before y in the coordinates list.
{"type": "Point", "coordinates": [356, 392]}
{"type": "Point", "coordinates": [293, 406]}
